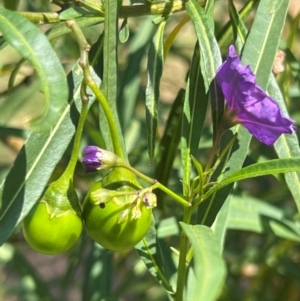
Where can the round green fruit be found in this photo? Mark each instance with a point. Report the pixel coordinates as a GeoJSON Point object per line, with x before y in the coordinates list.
{"type": "Point", "coordinates": [112, 224]}
{"type": "Point", "coordinates": [51, 235]}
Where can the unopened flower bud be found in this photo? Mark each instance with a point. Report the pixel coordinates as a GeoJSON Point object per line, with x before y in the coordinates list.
{"type": "Point", "coordinates": [95, 158]}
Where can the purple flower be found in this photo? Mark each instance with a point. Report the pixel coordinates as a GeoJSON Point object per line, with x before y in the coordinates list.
{"type": "Point", "coordinates": [95, 158]}
{"type": "Point", "coordinates": [258, 112]}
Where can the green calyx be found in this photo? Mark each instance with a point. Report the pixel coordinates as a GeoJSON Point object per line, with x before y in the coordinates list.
{"type": "Point", "coordinates": [61, 198]}
{"type": "Point", "coordinates": [120, 178]}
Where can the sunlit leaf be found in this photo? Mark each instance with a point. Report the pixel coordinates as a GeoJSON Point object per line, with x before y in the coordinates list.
{"type": "Point", "coordinates": [209, 49]}
{"type": "Point", "coordinates": [258, 169]}
{"type": "Point", "coordinates": [207, 276]}
{"type": "Point", "coordinates": [33, 45]}
{"type": "Point", "coordinates": [110, 75]}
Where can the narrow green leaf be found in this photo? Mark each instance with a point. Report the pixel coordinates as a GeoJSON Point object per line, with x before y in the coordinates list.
{"type": "Point", "coordinates": [110, 74]}
{"type": "Point", "coordinates": [199, 169]}
{"type": "Point", "coordinates": [149, 252]}
{"type": "Point", "coordinates": [72, 13]}
{"type": "Point", "coordinates": [210, 52]}
{"type": "Point", "coordinates": [7, 131]}
{"type": "Point", "coordinates": [194, 111]}
{"type": "Point", "coordinates": [129, 80]}
{"type": "Point", "coordinates": [209, 11]}
{"type": "Point", "coordinates": [154, 69]}
{"type": "Point", "coordinates": [61, 29]}
{"type": "Point", "coordinates": [249, 214]}
{"type": "Point", "coordinates": [220, 224]}
{"type": "Point", "coordinates": [124, 32]}
{"type": "Point", "coordinates": [256, 170]}
{"type": "Point", "coordinates": [239, 29]}
{"type": "Point", "coordinates": [206, 278]}
{"type": "Point", "coordinates": [264, 36]}
{"type": "Point", "coordinates": [274, 5]}
{"type": "Point", "coordinates": [225, 35]}
{"type": "Point", "coordinates": [287, 146]}
{"type": "Point", "coordinates": [35, 163]}
{"type": "Point", "coordinates": [80, 11]}
{"type": "Point", "coordinates": [98, 273]}
{"type": "Point", "coordinates": [33, 45]}
{"type": "Point", "coordinates": [168, 227]}
{"type": "Point", "coordinates": [168, 147]}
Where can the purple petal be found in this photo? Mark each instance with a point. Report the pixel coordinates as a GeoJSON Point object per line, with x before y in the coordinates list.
{"type": "Point", "coordinates": [91, 158]}
{"type": "Point", "coordinates": [258, 112]}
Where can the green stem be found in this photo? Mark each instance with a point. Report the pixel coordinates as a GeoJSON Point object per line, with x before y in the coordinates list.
{"type": "Point", "coordinates": [158, 185]}
{"type": "Point", "coordinates": [68, 173]}
{"type": "Point", "coordinates": [164, 8]}
{"type": "Point", "coordinates": [165, 283]}
{"type": "Point", "coordinates": [182, 264]}
{"type": "Point", "coordinates": [40, 17]}
{"type": "Point", "coordinates": [90, 82]}
{"type": "Point", "coordinates": [110, 118]}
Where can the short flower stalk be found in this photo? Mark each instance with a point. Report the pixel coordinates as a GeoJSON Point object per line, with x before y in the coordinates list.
{"type": "Point", "coordinates": [95, 159]}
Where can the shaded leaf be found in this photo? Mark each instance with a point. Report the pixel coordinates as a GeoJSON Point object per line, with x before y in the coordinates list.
{"type": "Point", "coordinates": [130, 78]}
{"type": "Point", "coordinates": [150, 253]}
{"type": "Point", "coordinates": [249, 214]}
{"type": "Point", "coordinates": [98, 270]}
{"type": "Point", "coordinates": [124, 32]}
{"type": "Point", "coordinates": [154, 70]}
{"type": "Point", "coordinates": [194, 111]}
{"type": "Point", "coordinates": [169, 145]}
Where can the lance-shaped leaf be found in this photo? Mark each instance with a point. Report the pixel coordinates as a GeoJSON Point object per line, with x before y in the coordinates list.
{"type": "Point", "coordinates": [194, 111]}
{"type": "Point", "coordinates": [210, 52]}
{"type": "Point", "coordinates": [110, 75]}
{"type": "Point", "coordinates": [207, 276]}
{"type": "Point", "coordinates": [270, 167]}
{"type": "Point", "coordinates": [249, 214]}
{"type": "Point", "coordinates": [154, 68]}
{"type": "Point", "coordinates": [34, 46]}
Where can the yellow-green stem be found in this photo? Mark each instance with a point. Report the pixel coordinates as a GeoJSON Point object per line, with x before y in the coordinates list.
{"type": "Point", "coordinates": [90, 82]}
{"type": "Point", "coordinates": [164, 8]}
{"type": "Point", "coordinates": [156, 184]}
{"type": "Point", "coordinates": [182, 264]}
{"type": "Point", "coordinates": [110, 119]}
{"type": "Point", "coordinates": [68, 173]}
